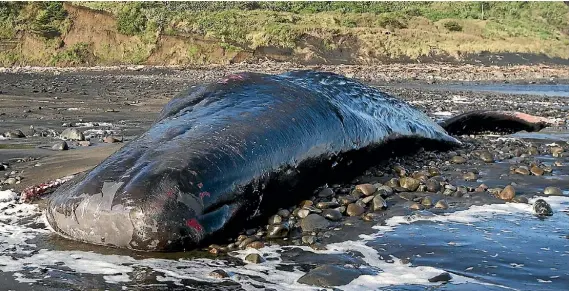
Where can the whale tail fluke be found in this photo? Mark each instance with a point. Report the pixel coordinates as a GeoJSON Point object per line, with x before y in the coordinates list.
{"type": "Point", "coordinates": [481, 121]}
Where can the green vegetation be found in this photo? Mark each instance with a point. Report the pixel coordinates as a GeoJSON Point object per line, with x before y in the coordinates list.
{"type": "Point", "coordinates": [375, 29]}
{"type": "Point", "coordinates": [75, 55]}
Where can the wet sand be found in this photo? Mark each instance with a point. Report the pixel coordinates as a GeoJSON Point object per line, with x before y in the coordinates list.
{"type": "Point", "coordinates": [124, 104]}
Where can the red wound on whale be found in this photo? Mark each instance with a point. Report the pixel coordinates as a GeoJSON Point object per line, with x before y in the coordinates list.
{"type": "Point", "coordinates": [193, 223]}
{"type": "Point", "coordinates": [204, 194]}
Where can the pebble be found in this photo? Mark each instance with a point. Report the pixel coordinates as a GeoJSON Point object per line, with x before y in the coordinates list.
{"type": "Point", "coordinates": [458, 160]}
{"type": "Point", "coordinates": [283, 213]}
{"type": "Point", "coordinates": [309, 239]}
{"type": "Point", "coordinates": [508, 193]}
{"type": "Point", "coordinates": [302, 213]}
{"type": "Point", "coordinates": [409, 183]}
{"type": "Point", "coordinates": [332, 214]}
{"type": "Point", "coordinates": [72, 134]}
{"type": "Point", "coordinates": [218, 274]}
{"type": "Point", "coordinates": [552, 191]}
{"type": "Point", "coordinates": [378, 203]}
{"type": "Point", "coordinates": [10, 181]}
{"type": "Point", "coordinates": [441, 204]}
{"type": "Point", "coordinates": [254, 258]}
{"type": "Point", "coordinates": [414, 206]}
{"type": "Point", "coordinates": [111, 139]}
{"type": "Point", "coordinates": [275, 219]}
{"type": "Point", "coordinates": [520, 199]}
{"type": "Point", "coordinates": [354, 209]}
{"type": "Point", "coordinates": [385, 190]}
{"type": "Point", "coordinates": [542, 208]}
{"type": "Point", "coordinates": [537, 171]}
{"type": "Point", "coordinates": [256, 245]}
{"type": "Point", "coordinates": [427, 201]}
{"type": "Point", "coordinates": [314, 222]}
{"type": "Point", "coordinates": [470, 176]}
{"type": "Point", "coordinates": [60, 146]}
{"type": "Point", "coordinates": [329, 276]}
{"type": "Point", "coordinates": [366, 189]}
{"type": "Point", "coordinates": [486, 156]}
{"type": "Point", "coordinates": [326, 192]}
{"type": "Point", "coordinates": [326, 205]}
{"type": "Point", "coordinates": [393, 182]}
{"type": "Point", "coordinates": [16, 133]}
{"type": "Point", "coordinates": [444, 277]}
{"type": "Point", "coordinates": [277, 231]}
{"type": "Point", "coordinates": [433, 185]}
{"type": "Point", "coordinates": [244, 243]}
{"type": "Point", "coordinates": [522, 171]}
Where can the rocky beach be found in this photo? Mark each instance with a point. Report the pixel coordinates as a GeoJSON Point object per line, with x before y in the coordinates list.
{"type": "Point", "coordinates": [491, 214]}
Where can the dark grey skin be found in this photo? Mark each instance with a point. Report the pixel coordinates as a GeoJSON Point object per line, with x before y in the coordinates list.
{"type": "Point", "coordinates": [222, 154]}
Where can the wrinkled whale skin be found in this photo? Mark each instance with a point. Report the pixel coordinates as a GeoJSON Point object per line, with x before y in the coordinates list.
{"type": "Point", "coordinates": [224, 153]}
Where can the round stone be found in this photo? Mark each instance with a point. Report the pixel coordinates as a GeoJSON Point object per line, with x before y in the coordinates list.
{"type": "Point", "coordinates": [314, 222]}
{"type": "Point", "coordinates": [409, 183]}
{"type": "Point", "coordinates": [552, 191]}
{"type": "Point", "coordinates": [355, 210]}
{"type": "Point", "coordinates": [508, 193]}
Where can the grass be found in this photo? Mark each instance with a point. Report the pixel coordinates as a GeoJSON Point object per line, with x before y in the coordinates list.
{"type": "Point", "coordinates": [380, 29]}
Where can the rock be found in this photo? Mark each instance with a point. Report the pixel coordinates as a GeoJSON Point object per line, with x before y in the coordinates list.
{"type": "Point", "coordinates": [394, 182]}
{"type": "Point", "coordinates": [254, 258]}
{"type": "Point", "coordinates": [277, 231]}
{"type": "Point", "coordinates": [345, 200]}
{"type": "Point", "coordinates": [409, 183]}
{"type": "Point", "coordinates": [378, 203]}
{"type": "Point", "coordinates": [329, 276]}
{"type": "Point", "coordinates": [256, 245]}
{"type": "Point", "coordinates": [542, 208]}
{"type": "Point", "coordinates": [552, 191]}
{"type": "Point", "coordinates": [537, 171]}
{"type": "Point", "coordinates": [444, 277]}
{"type": "Point", "coordinates": [385, 191]}
{"type": "Point", "coordinates": [283, 213]}
{"type": "Point", "coordinates": [470, 176]}
{"type": "Point", "coordinates": [458, 160]}
{"type": "Point", "coordinates": [508, 193]}
{"type": "Point", "coordinates": [433, 185]}
{"type": "Point", "coordinates": [314, 222]}
{"type": "Point", "coordinates": [520, 199]}
{"type": "Point", "coordinates": [15, 133]}
{"type": "Point", "coordinates": [244, 243]}
{"type": "Point", "coordinates": [441, 204]}
{"type": "Point", "coordinates": [111, 139]}
{"type": "Point", "coordinates": [326, 205]}
{"type": "Point", "coordinates": [556, 151]}
{"type": "Point", "coordinates": [84, 143]}
{"type": "Point", "coordinates": [366, 189]}
{"type": "Point", "coordinates": [326, 192]}
{"type": "Point", "coordinates": [366, 200]}
{"type": "Point", "coordinates": [72, 134]}
{"type": "Point", "coordinates": [354, 209]}
{"type": "Point", "coordinates": [60, 146]}
{"type": "Point", "coordinates": [427, 201]}
{"type": "Point", "coordinates": [399, 171]}
{"type": "Point", "coordinates": [486, 156]}
{"type": "Point", "coordinates": [414, 206]}
{"type": "Point", "coordinates": [275, 219]}
{"type": "Point", "coordinates": [332, 214]}
{"type": "Point", "coordinates": [218, 274]}
{"type": "Point", "coordinates": [10, 181]}
{"type": "Point", "coordinates": [522, 171]}
{"type": "Point", "coordinates": [533, 151]}
{"type": "Point", "coordinates": [302, 213]}
{"type": "Point", "coordinates": [309, 239]}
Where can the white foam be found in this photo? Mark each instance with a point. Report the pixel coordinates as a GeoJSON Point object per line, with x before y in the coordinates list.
{"type": "Point", "coordinates": [443, 113]}
{"type": "Point", "coordinates": [14, 237]}
{"type": "Point", "coordinates": [93, 124]}
{"type": "Point", "coordinates": [8, 195]}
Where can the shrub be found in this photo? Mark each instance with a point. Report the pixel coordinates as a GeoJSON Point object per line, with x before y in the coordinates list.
{"type": "Point", "coordinates": [131, 19]}
{"type": "Point", "coordinates": [452, 26]}
{"type": "Point", "coordinates": [390, 20]}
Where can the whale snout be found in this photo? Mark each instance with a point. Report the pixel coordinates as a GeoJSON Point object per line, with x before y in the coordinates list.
{"type": "Point", "coordinates": [126, 214]}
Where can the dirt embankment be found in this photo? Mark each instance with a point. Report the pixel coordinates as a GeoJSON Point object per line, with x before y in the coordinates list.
{"type": "Point", "coordinates": [92, 38]}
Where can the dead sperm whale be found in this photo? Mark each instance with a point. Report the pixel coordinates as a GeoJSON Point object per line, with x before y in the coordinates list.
{"type": "Point", "coordinates": [224, 153]}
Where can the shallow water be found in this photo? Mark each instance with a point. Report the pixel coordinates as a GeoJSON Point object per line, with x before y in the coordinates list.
{"type": "Point", "coordinates": [557, 90]}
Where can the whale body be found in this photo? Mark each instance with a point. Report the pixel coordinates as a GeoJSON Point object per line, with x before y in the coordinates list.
{"type": "Point", "coordinates": [224, 153]}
